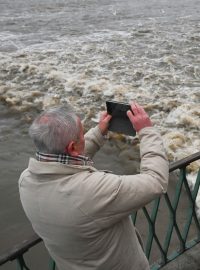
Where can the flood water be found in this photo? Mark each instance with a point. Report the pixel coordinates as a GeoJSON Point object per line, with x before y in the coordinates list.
{"type": "Point", "coordinates": [85, 52]}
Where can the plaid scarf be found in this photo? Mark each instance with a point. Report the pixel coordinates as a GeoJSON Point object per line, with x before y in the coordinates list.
{"type": "Point", "coordinates": [64, 158]}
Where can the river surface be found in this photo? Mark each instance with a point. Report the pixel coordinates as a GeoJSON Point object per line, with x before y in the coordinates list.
{"type": "Point", "coordinates": [85, 52]}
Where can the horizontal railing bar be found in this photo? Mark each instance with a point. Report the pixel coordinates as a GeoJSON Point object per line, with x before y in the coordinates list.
{"type": "Point", "coordinates": [184, 162]}
{"type": "Point", "coordinates": [23, 247]}
{"type": "Point", "coordinates": [19, 249]}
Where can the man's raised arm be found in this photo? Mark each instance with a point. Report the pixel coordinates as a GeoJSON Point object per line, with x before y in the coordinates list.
{"type": "Point", "coordinates": [94, 138]}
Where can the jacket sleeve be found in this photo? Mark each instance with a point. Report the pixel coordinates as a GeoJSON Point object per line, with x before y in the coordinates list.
{"type": "Point", "coordinates": [93, 141]}
{"type": "Point", "coordinates": [115, 197]}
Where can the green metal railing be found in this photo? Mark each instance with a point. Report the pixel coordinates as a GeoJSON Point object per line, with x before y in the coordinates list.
{"type": "Point", "coordinates": [151, 213]}
{"type": "Point", "coordinates": [172, 205]}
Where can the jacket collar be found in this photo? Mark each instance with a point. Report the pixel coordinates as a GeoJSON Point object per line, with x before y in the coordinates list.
{"type": "Point", "coordinates": [39, 167]}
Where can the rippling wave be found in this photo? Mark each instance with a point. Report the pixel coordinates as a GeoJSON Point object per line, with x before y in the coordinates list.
{"type": "Point", "coordinates": [85, 53]}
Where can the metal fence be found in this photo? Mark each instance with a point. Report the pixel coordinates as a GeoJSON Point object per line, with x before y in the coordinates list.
{"type": "Point", "coordinates": [151, 214]}
{"type": "Point", "coordinates": [173, 225]}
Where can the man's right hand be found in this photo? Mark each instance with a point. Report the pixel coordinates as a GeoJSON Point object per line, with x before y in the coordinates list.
{"type": "Point", "coordinates": [104, 122]}
{"type": "Point", "coordinates": [138, 117]}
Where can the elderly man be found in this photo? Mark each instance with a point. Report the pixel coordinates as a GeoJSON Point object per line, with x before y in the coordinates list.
{"type": "Point", "coordinates": [82, 214]}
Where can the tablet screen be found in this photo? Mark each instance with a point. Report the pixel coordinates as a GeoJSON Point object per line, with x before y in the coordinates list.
{"type": "Point", "coordinates": [120, 122]}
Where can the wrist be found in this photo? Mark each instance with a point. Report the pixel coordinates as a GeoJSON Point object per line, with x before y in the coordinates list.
{"type": "Point", "coordinates": [144, 126]}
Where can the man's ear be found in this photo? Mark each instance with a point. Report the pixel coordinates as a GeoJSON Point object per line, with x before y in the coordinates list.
{"type": "Point", "coordinates": [71, 149]}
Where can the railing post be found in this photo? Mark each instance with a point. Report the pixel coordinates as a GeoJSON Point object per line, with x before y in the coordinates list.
{"type": "Point", "coordinates": [21, 263]}
{"type": "Point", "coordinates": [191, 211]}
{"type": "Point", "coordinates": [52, 264]}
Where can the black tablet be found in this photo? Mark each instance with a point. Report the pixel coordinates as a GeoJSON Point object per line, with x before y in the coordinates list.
{"type": "Point", "coordinates": [120, 122]}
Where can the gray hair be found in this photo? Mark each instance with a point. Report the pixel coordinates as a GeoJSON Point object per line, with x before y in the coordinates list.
{"type": "Point", "coordinates": [54, 129]}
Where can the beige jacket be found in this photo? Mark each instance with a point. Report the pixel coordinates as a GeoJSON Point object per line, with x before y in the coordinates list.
{"type": "Point", "coordinates": [82, 214]}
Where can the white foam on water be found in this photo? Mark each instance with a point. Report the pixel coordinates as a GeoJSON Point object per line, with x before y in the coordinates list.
{"type": "Point", "coordinates": [151, 62]}
{"type": "Point", "coordinates": [185, 115]}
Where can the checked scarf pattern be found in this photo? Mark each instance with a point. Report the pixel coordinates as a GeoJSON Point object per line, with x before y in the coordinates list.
{"type": "Point", "coordinates": [65, 159]}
